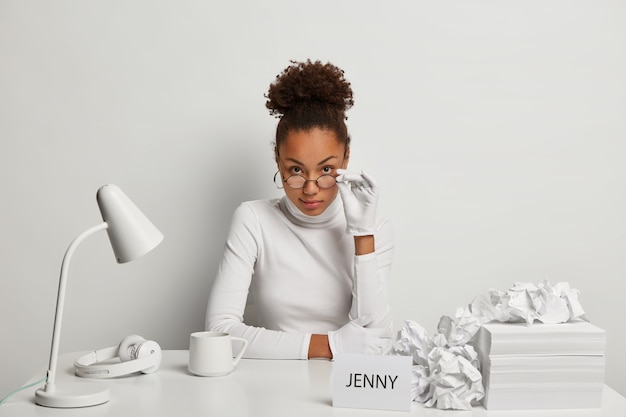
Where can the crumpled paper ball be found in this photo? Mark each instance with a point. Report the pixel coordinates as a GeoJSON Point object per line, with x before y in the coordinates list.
{"type": "Point", "coordinates": [456, 381]}
{"type": "Point", "coordinates": [527, 302]}
{"type": "Point", "coordinates": [443, 376]}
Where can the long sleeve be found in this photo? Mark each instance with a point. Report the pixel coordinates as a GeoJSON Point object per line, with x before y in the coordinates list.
{"type": "Point", "coordinates": [227, 300]}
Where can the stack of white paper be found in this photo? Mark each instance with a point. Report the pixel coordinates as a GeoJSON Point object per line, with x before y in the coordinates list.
{"type": "Point", "coordinates": [541, 365]}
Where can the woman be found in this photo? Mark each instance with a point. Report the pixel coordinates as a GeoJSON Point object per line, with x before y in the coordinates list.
{"type": "Point", "coordinates": [315, 264]}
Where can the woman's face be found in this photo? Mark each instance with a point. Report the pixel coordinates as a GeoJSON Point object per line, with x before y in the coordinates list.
{"type": "Point", "coordinates": [311, 153]}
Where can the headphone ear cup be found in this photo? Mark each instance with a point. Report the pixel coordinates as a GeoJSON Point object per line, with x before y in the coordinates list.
{"type": "Point", "coordinates": [149, 348]}
{"type": "Point", "coordinates": [128, 347]}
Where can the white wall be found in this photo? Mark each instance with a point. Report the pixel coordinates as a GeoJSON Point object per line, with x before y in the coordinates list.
{"type": "Point", "coordinates": [496, 130]}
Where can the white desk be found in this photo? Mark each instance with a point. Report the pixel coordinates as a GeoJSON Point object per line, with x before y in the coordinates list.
{"type": "Point", "coordinates": [256, 388]}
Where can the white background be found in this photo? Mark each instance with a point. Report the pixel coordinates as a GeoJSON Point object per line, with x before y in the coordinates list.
{"type": "Point", "coordinates": [496, 130]}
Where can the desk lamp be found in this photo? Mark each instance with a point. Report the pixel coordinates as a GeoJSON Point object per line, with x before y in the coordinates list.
{"type": "Point", "coordinates": [132, 235]}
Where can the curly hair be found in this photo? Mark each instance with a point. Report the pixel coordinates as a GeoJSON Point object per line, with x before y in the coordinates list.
{"type": "Point", "coordinates": [308, 95]}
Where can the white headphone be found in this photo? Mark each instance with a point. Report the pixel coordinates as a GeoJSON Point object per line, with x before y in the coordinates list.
{"type": "Point", "coordinates": [135, 353]}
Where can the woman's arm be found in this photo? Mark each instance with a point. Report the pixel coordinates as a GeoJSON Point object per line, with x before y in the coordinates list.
{"type": "Point", "coordinates": [372, 265]}
{"type": "Point", "coordinates": [364, 245]}
{"type": "Point", "coordinates": [371, 277]}
{"type": "Point", "coordinates": [229, 292]}
{"type": "Point", "coordinates": [319, 347]}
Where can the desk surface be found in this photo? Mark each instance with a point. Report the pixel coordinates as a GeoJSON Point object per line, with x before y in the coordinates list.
{"type": "Point", "coordinates": [255, 388]}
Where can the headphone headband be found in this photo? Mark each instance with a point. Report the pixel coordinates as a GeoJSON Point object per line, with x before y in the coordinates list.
{"type": "Point", "coordinates": [100, 364]}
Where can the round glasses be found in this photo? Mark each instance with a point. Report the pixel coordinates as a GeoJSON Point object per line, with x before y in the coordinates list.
{"type": "Point", "coordinates": [298, 181]}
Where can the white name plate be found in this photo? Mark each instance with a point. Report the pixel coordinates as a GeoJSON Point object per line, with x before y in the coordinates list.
{"type": "Point", "coordinates": [372, 381]}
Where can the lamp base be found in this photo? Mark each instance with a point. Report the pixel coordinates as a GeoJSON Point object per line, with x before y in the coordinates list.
{"type": "Point", "coordinates": [72, 395]}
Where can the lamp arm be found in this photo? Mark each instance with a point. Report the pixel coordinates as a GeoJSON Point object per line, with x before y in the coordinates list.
{"type": "Point", "coordinates": [58, 317]}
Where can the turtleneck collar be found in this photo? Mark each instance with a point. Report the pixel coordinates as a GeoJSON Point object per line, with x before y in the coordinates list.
{"type": "Point", "coordinates": [299, 217]}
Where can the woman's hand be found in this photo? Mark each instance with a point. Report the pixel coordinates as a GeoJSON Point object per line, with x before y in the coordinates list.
{"type": "Point", "coordinates": [355, 338]}
{"type": "Point", "coordinates": [359, 193]}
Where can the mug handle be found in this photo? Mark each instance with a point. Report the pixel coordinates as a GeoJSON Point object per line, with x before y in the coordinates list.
{"type": "Point", "coordinates": [241, 351]}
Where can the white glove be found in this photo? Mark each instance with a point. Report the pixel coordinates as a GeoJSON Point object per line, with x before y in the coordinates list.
{"type": "Point", "coordinates": [359, 193]}
{"type": "Point", "coordinates": [354, 338]}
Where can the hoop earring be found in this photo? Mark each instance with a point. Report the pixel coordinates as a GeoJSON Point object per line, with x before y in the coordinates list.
{"type": "Point", "coordinates": [280, 187]}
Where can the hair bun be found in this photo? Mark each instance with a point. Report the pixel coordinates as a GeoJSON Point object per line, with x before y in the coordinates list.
{"type": "Point", "coordinates": [309, 82]}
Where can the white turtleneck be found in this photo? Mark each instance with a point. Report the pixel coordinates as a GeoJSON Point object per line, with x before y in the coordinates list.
{"type": "Point", "coordinates": [302, 276]}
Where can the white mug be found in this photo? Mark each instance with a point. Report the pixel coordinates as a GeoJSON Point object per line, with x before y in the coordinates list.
{"type": "Point", "coordinates": [211, 353]}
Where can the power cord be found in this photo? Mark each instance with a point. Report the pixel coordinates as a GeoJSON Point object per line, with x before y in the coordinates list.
{"type": "Point", "coordinates": [21, 389]}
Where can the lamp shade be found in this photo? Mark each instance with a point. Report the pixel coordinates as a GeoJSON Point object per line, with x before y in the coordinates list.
{"type": "Point", "coordinates": [131, 234]}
